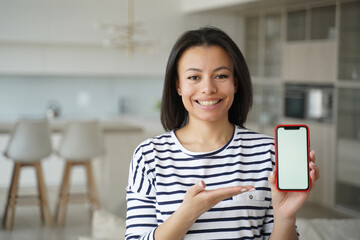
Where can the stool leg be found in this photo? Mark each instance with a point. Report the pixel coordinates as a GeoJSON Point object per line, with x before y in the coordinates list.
{"type": "Point", "coordinates": [11, 201]}
{"type": "Point", "coordinates": [39, 194]}
{"type": "Point", "coordinates": [8, 198]}
{"type": "Point", "coordinates": [44, 208]}
{"type": "Point", "coordinates": [63, 196]}
{"type": "Point", "coordinates": [92, 194]}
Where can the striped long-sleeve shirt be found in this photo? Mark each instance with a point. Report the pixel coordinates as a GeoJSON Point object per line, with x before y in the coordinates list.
{"type": "Point", "coordinates": [162, 170]}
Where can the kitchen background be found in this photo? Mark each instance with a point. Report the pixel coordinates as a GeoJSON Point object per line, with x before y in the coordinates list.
{"type": "Point", "coordinates": [304, 58]}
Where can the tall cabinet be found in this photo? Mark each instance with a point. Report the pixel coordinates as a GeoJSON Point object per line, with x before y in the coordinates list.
{"type": "Point", "coordinates": [348, 114]}
{"type": "Point", "coordinates": [310, 48]}
{"type": "Point", "coordinates": [316, 45]}
{"type": "Point", "coordinates": [263, 49]}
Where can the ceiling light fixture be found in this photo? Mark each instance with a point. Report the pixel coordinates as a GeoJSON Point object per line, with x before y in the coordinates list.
{"type": "Point", "coordinates": [123, 36]}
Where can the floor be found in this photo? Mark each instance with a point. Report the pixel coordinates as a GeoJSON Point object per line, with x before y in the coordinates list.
{"type": "Point", "coordinates": [27, 225]}
{"type": "Point", "coordinates": [312, 210]}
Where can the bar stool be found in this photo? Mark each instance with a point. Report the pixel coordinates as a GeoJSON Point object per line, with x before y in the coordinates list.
{"type": "Point", "coordinates": [82, 142]}
{"type": "Point", "coordinates": [29, 143]}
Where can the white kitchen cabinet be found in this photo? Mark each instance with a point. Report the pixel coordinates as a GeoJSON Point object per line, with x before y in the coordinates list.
{"type": "Point", "coordinates": [295, 57]}
{"type": "Point", "coordinates": [272, 42]}
{"type": "Point", "coordinates": [348, 148]}
{"type": "Point", "coordinates": [310, 62]}
{"type": "Point", "coordinates": [296, 25]}
{"type": "Point", "coordinates": [349, 47]}
{"type": "Point", "coordinates": [310, 52]}
{"type": "Point", "coordinates": [348, 167]}
{"type": "Point", "coordinates": [322, 23]}
{"type": "Point", "coordinates": [252, 38]}
{"type": "Point", "coordinates": [263, 39]}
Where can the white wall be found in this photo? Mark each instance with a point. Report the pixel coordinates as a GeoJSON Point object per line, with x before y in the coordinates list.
{"type": "Point", "coordinates": [50, 49]}
{"type": "Point", "coordinates": [79, 96]}
{"type": "Point", "coordinates": [56, 37]}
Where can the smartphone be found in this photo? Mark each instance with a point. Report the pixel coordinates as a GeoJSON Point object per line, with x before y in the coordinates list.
{"type": "Point", "coordinates": [292, 157]}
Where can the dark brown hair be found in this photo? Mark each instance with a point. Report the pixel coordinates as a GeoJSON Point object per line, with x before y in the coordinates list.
{"type": "Point", "coordinates": [173, 113]}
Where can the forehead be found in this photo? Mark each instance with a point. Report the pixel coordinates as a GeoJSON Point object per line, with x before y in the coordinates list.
{"type": "Point", "coordinates": [205, 57]}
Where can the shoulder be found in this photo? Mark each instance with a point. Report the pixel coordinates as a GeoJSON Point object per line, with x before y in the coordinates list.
{"type": "Point", "coordinates": [253, 141]}
{"type": "Point", "coordinates": [247, 134]}
{"type": "Point", "coordinates": [159, 141]}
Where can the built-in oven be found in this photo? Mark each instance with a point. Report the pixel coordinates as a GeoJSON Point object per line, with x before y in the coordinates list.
{"type": "Point", "coordinates": [307, 101]}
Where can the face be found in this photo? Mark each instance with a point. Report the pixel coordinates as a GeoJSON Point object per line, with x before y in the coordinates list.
{"type": "Point", "coordinates": [206, 83]}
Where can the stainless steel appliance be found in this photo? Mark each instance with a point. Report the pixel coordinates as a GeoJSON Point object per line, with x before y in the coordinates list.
{"type": "Point", "coordinates": [305, 101]}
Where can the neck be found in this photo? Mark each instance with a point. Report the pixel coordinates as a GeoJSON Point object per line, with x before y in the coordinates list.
{"type": "Point", "coordinates": [203, 136]}
{"type": "Point", "coordinates": [210, 131]}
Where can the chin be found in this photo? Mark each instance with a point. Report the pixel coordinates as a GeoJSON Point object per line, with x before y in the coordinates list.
{"type": "Point", "coordinates": [212, 118]}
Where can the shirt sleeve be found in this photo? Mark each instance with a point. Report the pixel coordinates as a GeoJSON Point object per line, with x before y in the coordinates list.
{"type": "Point", "coordinates": [141, 221]}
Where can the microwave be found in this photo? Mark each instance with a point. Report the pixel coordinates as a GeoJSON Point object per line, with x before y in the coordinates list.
{"type": "Point", "coordinates": [306, 101]}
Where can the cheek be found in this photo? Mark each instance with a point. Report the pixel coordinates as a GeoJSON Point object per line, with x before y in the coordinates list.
{"type": "Point", "coordinates": [185, 90]}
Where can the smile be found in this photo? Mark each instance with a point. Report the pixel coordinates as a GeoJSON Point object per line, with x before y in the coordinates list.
{"type": "Point", "coordinates": [208, 103]}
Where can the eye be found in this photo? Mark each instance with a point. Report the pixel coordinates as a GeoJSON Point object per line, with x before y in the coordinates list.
{"type": "Point", "coordinates": [193, 77]}
{"type": "Point", "coordinates": [221, 76]}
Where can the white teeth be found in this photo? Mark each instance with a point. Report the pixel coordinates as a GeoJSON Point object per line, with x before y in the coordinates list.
{"type": "Point", "coordinates": [207, 103]}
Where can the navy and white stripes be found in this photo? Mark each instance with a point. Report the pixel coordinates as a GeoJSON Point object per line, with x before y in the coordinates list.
{"type": "Point", "coordinates": [162, 170]}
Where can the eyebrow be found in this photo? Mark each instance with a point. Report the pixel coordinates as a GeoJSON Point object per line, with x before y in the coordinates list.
{"type": "Point", "coordinates": [216, 69]}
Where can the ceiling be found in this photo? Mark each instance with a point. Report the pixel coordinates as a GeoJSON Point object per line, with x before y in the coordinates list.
{"type": "Point", "coordinates": [247, 6]}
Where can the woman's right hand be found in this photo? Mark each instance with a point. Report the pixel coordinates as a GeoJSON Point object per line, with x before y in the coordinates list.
{"type": "Point", "coordinates": [197, 201]}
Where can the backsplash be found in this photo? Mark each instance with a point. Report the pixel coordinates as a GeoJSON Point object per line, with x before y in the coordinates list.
{"type": "Point", "coordinates": [79, 96]}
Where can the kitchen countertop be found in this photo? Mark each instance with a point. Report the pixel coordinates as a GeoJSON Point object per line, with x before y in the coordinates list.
{"type": "Point", "coordinates": [109, 125]}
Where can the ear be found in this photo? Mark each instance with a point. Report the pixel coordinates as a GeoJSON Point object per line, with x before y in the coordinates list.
{"type": "Point", "coordinates": [236, 83]}
{"type": "Point", "coordinates": [178, 88]}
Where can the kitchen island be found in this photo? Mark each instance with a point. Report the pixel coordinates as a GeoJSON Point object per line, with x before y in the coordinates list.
{"type": "Point", "coordinates": [121, 136]}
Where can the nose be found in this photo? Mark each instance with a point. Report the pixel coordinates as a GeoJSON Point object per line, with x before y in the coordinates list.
{"type": "Point", "coordinates": [209, 85]}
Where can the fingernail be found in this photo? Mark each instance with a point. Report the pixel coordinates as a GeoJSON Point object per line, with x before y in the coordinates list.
{"type": "Point", "coordinates": [252, 189]}
{"type": "Point", "coordinates": [313, 152]}
{"type": "Point", "coordinates": [201, 184]}
{"type": "Point", "coordinates": [243, 190]}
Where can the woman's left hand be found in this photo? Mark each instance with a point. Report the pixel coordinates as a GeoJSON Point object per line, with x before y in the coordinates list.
{"type": "Point", "coordinates": [286, 204]}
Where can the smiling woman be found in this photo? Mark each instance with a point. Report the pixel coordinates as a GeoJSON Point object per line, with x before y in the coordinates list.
{"type": "Point", "coordinates": [208, 177]}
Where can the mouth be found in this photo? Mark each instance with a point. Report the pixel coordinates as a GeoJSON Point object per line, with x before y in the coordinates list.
{"type": "Point", "coordinates": [208, 103]}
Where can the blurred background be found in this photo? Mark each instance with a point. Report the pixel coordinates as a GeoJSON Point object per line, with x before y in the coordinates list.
{"type": "Point", "coordinates": [105, 60]}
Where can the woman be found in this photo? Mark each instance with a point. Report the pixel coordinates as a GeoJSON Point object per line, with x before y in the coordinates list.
{"type": "Point", "coordinates": [208, 177]}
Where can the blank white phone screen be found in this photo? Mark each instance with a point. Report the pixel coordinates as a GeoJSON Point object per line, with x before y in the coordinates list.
{"type": "Point", "coordinates": [292, 159]}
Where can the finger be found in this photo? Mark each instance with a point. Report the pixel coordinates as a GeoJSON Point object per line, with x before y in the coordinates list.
{"type": "Point", "coordinates": [220, 194]}
{"type": "Point", "coordinates": [313, 177]}
{"type": "Point", "coordinates": [272, 177]}
{"type": "Point", "coordinates": [196, 188]}
{"type": "Point", "coordinates": [315, 168]}
{"type": "Point", "coordinates": [312, 156]}
{"type": "Point", "coordinates": [272, 180]}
